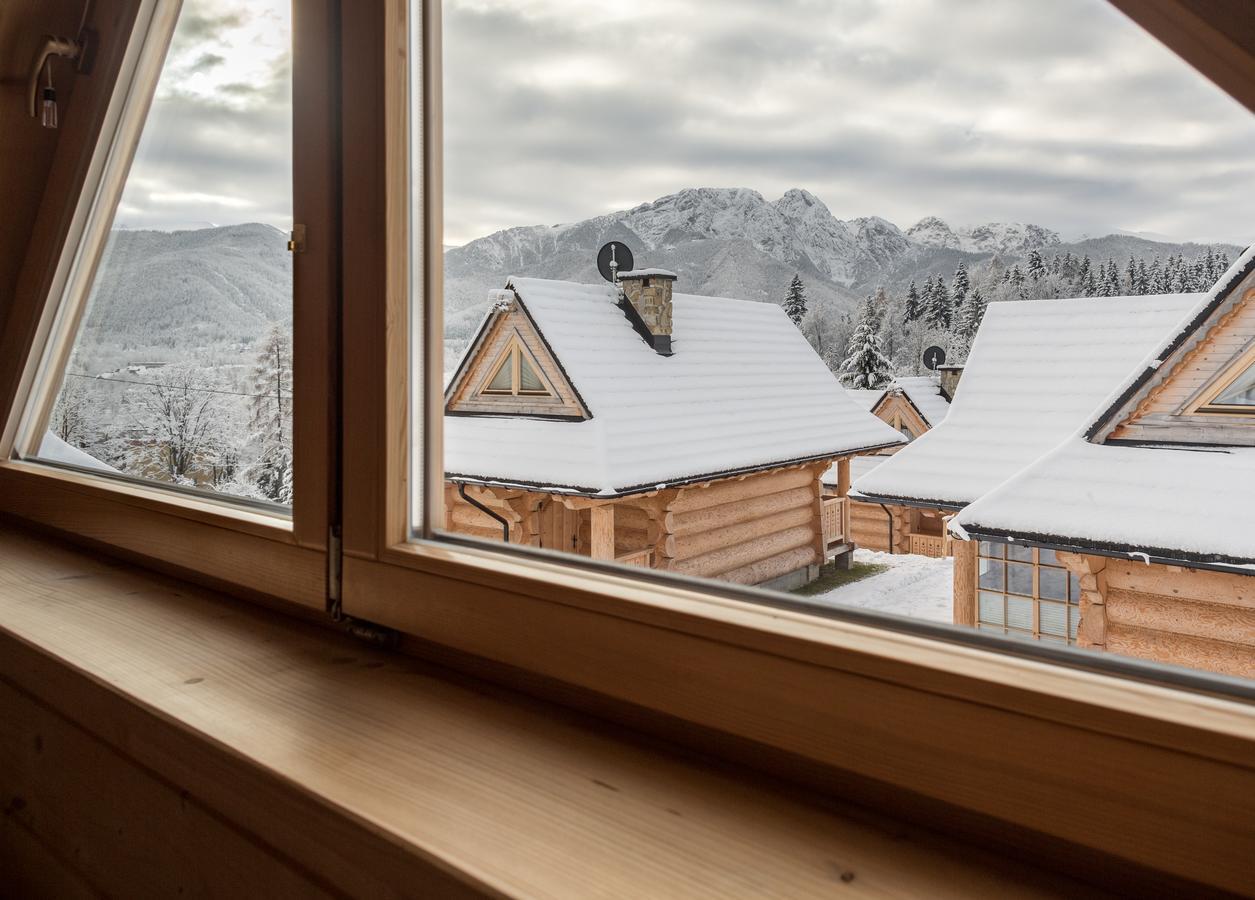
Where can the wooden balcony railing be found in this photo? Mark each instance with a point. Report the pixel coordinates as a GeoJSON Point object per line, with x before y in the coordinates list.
{"type": "Point", "coordinates": [836, 520]}
{"type": "Point", "coordinates": [641, 558]}
{"type": "Point", "coordinates": [936, 546]}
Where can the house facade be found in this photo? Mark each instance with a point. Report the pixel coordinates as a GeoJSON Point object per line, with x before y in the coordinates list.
{"type": "Point", "coordinates": [911, 405]}
{"type": "Point", "coordinates": [1148, 509]}
{"type": "Point", "coordinates": [660, 430]}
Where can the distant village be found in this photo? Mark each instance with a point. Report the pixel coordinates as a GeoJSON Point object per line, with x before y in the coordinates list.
{"type": "Point", "coordinates": [1074, 458]}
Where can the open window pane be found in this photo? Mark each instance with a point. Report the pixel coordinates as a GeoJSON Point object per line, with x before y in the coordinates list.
{"type": "Point", "coordinates": [181, 370]}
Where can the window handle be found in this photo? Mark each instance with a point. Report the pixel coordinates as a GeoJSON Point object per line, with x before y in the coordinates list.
{"type": "Point", "coordinates": [296, 239]}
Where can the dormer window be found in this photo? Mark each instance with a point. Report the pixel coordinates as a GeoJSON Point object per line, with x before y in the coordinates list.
{"type": "Point", "coordinates": [1237, 393]}
{"type": "Point", "coordinates": [516, 375]}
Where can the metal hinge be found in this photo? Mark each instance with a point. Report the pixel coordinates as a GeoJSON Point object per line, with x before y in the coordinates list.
{"type": "Point", "coordinates": [296, 239]}
{"type": "Point", "coordinates": [334, 573]}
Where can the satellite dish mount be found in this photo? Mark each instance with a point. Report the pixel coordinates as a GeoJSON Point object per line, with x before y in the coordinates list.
{"type": "Point", "coordinates": [614, 257]}
{"type": "Point", "coordinates": [934, 356]}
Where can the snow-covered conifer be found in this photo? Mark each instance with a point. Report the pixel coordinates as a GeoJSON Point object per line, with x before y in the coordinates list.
{"type": "Point", "coordinates": [866, 365]}
{"type": "Point", "coordinates": [795, 301]}
{"type": "Point", "coordinates": [271, 416]}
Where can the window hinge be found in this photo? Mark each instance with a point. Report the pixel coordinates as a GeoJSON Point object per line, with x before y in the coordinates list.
{"type": "Point", "coordinates": [296, 239]}
{"type": "Point", "coordinates": [334, 571]}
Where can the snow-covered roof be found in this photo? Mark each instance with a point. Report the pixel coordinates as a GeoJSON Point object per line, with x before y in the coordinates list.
{"type": "Point", "coordinates": [1166, 502]}
{"type": "Point", "coordinates": [924, 392]}
{"type": "Point", "coordinates": [53, 449]}
{"type": "Point", "coordinates": [1037, 372]}
{"type": "Point", "coordinates": [867, 398]}
{"type": "Point", "coordinates": [742, 391]}
{"type": "Point", "coordinates": [1162, 501]}
{"type": "Point", "coordinates": [859, 465]}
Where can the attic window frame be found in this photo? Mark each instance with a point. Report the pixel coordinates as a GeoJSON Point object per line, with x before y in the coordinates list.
{"type": "Point", "coordinates": [1226, 378]}
{"type": "Point", "coordinates": [254, 549]}
{"type": "Point", "coordinates": [513, 355]}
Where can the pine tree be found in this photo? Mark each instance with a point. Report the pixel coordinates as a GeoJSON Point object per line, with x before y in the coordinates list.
{"type": "Point", "coordinates": [1141, 282]}
{"type": "Point", "coordinates": [913, 308]}
{"type": "Point", "coordinates": [795, 301]}
{"type": "Point", "coordinates": [1036, 268]}
{"type": "Point", "coordinates": [271, 384]}
{"type": "Point", "coordinates": [938, 313]}
{"type": "Point", "coordinates": [970, 316]}
{"type": "Point", "coordinates": [960, 285]}
{"type": "Point", "coordinates": [1130, 278]}
{"type": "Point", "coordinates": [1085, 277]}
{"type": "Point", "coordinates": [866, 365]}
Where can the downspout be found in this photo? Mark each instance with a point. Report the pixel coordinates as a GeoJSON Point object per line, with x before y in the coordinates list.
{"type": "Point", "coordinates": [890, 515]}
{"type": "Point", "coordinates": [505, 525]}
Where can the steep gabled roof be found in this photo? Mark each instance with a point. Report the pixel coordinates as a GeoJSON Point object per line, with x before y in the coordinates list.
{"type": "Point", "coordinates": [743, 391]}
{"type": "Point", "coordinates": [924, 393]}
{"type": "Point", "coordinates": [1177, 503]}
{"type": "Point", "coordinates": [1037, 371]}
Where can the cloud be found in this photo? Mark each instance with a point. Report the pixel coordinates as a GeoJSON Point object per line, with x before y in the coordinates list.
{"type": "Point", "coordinates": [1062, 113]}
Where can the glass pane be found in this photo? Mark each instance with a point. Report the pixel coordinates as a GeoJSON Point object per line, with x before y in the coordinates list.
{"type": "Point", "coordinates": [1053, 619]}
{"type": "Point", "coordinates": [1052, 584]}
{"type": "Point", "coordinates": [1020, 579]}
{"type": "Point", "coordinates": [1241, 392]}
{"type": "Point", "coordinates": [182, 370]}
{"type": "Point", "coordinates": [711, 337]}
{"type": "Point", "coordinates": [1074, 621]}
{"type": "Point", "coordinates": [991, 608]}
{"type": "Point", "coordinates": [503, 381]}
{"type": "Point", "coordinates": [1074, 588]}
{"type": "Point", "coordinates": [529, 381]}
{"type": "Point", "coordinates": [992, 550]}
{"type": "Point", "coordinates": [992, 574]}
{"type": "Point", "coordinates": [1020, 613]}
{"type": "Point", "coordinates": [1020, 552]}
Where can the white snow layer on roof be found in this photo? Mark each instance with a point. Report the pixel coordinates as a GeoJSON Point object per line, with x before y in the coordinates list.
{"type": "Point", "coordinates": [865, 397]}
{"type": "Point", "coordinates": [1189, 501]}
{"type": "Point", "coordinates": [1037, 373]}
{"type": "Point", "coordinates": [742, 390]}
{"type": "Point", "coordinates": [859, 465]}
{"type": "Point", "coordinates": [54, 449]}
{"type": "Point", "coordinates": [924, 391]}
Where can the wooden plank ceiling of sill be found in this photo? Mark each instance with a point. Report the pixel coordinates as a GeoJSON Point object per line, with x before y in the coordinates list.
{"type": "Point", "coordinates": [243, 709]}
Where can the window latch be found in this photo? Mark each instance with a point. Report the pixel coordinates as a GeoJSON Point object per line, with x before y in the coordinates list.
{"type": "Point", "coordinates": [296, 239]}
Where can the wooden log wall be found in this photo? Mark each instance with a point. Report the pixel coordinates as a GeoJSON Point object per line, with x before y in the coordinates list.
{"type": "Point", "coordinates": [746, 530]}
{"type": "Point", "coordinates": [869, 526]}
{"type": "Point", "coordinates": [1188, 617]}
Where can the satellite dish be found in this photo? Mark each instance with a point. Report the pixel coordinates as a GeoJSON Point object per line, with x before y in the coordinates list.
{"type": "Point", "coordinates": [613, 258]}
{"type": "Point", "coordinates": [933, 357]}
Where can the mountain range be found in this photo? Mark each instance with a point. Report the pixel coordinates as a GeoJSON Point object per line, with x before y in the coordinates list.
{"type": "Point", "coordinates": [166, 294]}
{"type": "Point", "coordinates": [734, 242]}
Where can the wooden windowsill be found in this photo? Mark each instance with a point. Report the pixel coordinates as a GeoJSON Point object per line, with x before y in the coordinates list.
{"type": "Point", "coordinates": [371, 774]}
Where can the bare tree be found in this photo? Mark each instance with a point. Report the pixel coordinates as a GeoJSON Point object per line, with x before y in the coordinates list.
{"type": "Point", "coordinates": [174, 429]}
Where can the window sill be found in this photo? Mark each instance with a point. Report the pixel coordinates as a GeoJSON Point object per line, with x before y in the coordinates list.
{"type": "Point", "coordinates": [345, 769]}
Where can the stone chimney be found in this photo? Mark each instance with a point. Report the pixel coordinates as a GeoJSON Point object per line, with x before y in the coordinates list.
{"type": "Point", "coordinates": [950, 376]}
{"type": "Point", "coordinates": [648, 291]}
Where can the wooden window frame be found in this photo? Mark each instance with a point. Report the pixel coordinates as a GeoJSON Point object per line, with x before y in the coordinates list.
{"type": "Point", "coordinates": [769, 672]}
{"type": "Point", "coordinates": [884, 711]}
{"type": "Point", "coordinates": [514, 357]}
{"type": "Point", "coordinates": [244, 547]}
{"type": "Point", "coordinates": [1205, 403]}
{"type": "Point", "coordinates": [1072, 605]}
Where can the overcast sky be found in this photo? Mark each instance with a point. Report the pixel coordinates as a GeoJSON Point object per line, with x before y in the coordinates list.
{"type": "Point", "coordinates": [1063, 113]}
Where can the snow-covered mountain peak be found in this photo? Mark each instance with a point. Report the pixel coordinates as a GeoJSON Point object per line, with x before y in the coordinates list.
{"type": "Point", "coordinates": [934, 232]}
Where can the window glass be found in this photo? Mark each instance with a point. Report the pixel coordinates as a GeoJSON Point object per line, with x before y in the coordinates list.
{"type": "Point", "coordinates": [181, 372]}
{"type": "Point", "coordinates": [1241, 392]}
{"type": "Point", "coordinates": [503, 381]}
{"type": "Point", "coordinates": [728, 230]}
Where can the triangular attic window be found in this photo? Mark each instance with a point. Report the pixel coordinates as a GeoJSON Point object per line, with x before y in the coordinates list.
{"type": "Point", "coordinates": [1238, 395]}
{"type": "Point", "coordinates": [516, 375]}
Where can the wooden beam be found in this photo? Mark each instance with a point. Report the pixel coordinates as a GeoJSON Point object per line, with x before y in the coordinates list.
{"type": "Point", "coordinates": [843, 477]}
{"type": "Point", "coordinates": [601, 544]}
{"type": "Point", "coordinates": [965, 582]}
{"type": "Point", "coordinates": [1216, 37]}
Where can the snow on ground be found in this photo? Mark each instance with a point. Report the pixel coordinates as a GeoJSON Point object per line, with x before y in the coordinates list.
{"type": "Point", "coordinates": [916, 586]}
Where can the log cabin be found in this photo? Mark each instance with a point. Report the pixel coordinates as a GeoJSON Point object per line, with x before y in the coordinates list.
{"type": "Point", "coordinates": [660, 430]}
{"type": "Point", "coordinates": [912, 404]}
{"type": "Point", "coordinates": [1036, 368]}
{"type": "Point", "coordinates": [1136, 534]}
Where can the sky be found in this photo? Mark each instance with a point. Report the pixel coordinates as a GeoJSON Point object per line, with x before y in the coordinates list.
{"type": "Point", "coordinates": [1063, 114]}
